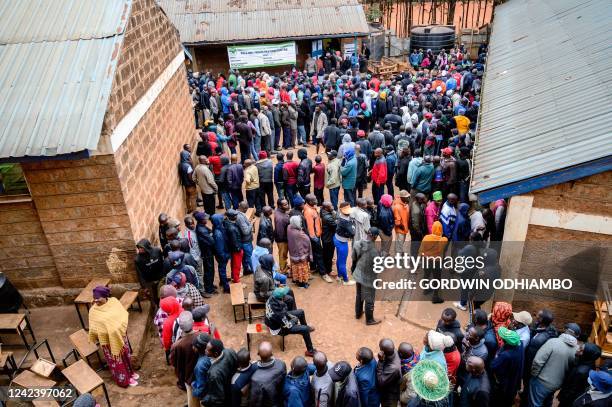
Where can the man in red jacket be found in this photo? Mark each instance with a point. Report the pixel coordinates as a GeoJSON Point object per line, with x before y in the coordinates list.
{"type": "Point", "coordinates": [378, 174]}
{"type": "Point", "coordinates": [290, 176]}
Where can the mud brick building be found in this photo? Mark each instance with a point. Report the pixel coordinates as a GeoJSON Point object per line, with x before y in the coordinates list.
{"type": "Point", "coordinates": [94, 112]}
{"type": "Point", "coordinates": [529, 149]}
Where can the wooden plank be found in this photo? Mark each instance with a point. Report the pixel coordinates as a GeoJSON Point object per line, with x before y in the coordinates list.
{"type": "Point", "coordinates": [237, 294]}
{"type": "Point", "coordinates": [86, 295]}
{"type": "Point", "coordinates": [128, 298]}
{"type": "Point", "coordinates": [3, 358]}
{"type": "Point", "coordinates": [10, 322]}
{"type": "Point", "coordinates": [82, 377]}
{"type": "Point", "coordinates": [80, 341]}
{"type": "Point", "coordinates": [45, 403]}
{"type": "Point", "coordinates": [29, 379]}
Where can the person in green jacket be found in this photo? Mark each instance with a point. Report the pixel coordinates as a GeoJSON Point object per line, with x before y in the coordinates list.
{"type": "Point", "coordinates": [422, 177]}
{"type": "Point", "coordinates": [348, 170]}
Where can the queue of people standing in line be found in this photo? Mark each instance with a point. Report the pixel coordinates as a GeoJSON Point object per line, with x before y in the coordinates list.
{"type": "Point", "coordinates": [497, 360]}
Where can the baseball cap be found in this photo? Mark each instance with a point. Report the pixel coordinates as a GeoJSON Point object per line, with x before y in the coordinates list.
{"type": "Point", "coordinates": [340, 371]}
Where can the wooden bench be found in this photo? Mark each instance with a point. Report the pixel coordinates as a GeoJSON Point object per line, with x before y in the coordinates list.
{"type": "Point", "coordinates": [237, 297]}
{"type": "Point", "coordinates": [84, 379]}
{"type": "Point", "coordinates": [17, 324]}
{"type": "Point", "coordinates": [86, 296]}
{"type": "Point", "coordinates": [252, 330]}
{"type": "Point", "coordinates": [128, 298]}
{"type": "Point", "coordinates": [254, 304]}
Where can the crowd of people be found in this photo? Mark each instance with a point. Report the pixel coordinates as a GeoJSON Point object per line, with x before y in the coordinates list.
{"type": "Point", "coordinates": [399, 150]}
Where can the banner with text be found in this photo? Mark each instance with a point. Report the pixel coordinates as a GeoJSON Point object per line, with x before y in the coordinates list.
{"type": "Point", "coordinates": [261, 55]}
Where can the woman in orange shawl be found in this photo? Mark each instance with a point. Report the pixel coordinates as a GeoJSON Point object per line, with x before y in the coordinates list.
{"type": "Point", "coordinates": [108, 322]}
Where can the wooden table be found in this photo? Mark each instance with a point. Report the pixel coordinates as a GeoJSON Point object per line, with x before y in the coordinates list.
{"type": "Point", "coordinates": [17, 323]}
{"type": "Point", "coordinates": [84, 378]}
{"type": "Point", "coordinates": [86, 296]}
{"type": "Point", "coordinates": [237, 298]}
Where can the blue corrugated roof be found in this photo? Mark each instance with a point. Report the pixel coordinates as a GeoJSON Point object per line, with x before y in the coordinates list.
{"type": "Point", "coordinates": [57, 64]}
{"type": "Point", "coordinates": [546, 93]}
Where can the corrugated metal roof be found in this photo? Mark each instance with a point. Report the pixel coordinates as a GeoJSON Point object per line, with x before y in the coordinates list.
{"type": "Point", "coordinates": [546, 92]}
{"type": "Point", "coordinates": [218, 21]}
{"type": "Point", "coordinates": [57, 63]}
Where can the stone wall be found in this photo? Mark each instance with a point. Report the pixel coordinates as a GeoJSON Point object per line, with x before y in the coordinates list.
{"type": "Point", "coordinates": [147, 161]}
{"type": "Point", "coordinates": [83, 216]}
{"type": "Point", "coordinates": [25, 256]}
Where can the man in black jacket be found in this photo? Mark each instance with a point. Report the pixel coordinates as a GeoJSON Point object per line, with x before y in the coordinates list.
{"type": "Point", "coordinates": [476, 388]}
{"type": "Point", "coordinates": [218, 380]}
{"type": "Point", "coordinates": [150, 267]}
{"type": "Point", "coordinates": [206, 243]}
{"type": "Point", "coordinates": [448, 323]}
{"type": "Point", "coordinates": [328, 230]}
{"type": "Point", "coordinates": [303, 173]}
{"type": "Point", "coordinates": [267, 382]}
{"type": "Point", "coordinates": [234, 244]}
{"type": "Point", "coordinates": [332, 136]}
{"type": "Point", "coordinates": [388, 373]}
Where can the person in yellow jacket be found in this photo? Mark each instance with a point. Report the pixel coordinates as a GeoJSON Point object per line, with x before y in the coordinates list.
{"type": "Point", "coordinates": [251, 185]}
{"type": "Point", "coordinates": [432, 250]}
{"type": "Point", "coordinates": [462, 122]}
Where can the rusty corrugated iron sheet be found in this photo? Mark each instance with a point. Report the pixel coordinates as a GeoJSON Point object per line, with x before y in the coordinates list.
{"type": "Point", "coordinates": [235, 21]}
{"type": "Point", "coordinates": [546, 92]}
{"type": "Point", "coordinates": [57, 64]}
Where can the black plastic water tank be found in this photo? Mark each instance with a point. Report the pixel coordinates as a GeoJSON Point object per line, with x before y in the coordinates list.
{"type": "Point", "coordinates": [433, 37]}
{"type": "Point", "coordinates": [10, 299]}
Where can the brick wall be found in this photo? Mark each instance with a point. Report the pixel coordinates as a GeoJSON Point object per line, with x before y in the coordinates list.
{"type": "Point", "coordinates": [150, 43]}
{"type": "Point", "coordinates": [83, 216]}
{"type": "Point", "coordinates": [589, 195]}
{"type": "Point", "coordinates": [25, 256]}
{"type": "Point", "coordinates": [147, 161]}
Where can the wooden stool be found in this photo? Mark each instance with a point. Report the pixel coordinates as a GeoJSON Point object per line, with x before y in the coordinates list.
{"type": "Point", "coordinates": [43, 367]}
{"type": "Point", "coordinates": [86, 296]}
{"type": "Point", "coordinates": [252, 330]}
{"type": "Point", "coordinates": [255, 304]}
{"type": "Point", "coordinates": [17, 324]}
{"type": "Point", "coordinates": [237, 297]}
{"type": "Point", "coordinates": [128, 298]}
{"type": "Point", "coordinates": [84, 379]}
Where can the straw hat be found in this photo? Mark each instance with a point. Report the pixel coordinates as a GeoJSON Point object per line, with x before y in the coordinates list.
{"type": "Point", "coordinates": [429, 380]}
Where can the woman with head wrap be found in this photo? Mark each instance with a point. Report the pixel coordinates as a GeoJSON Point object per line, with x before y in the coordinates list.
{"type": "Point", "coordinates": [108, 322]}
{"type": "Point", "coordinates": [185, 289]}
{"type": "Point", "coordinates": [500, 317]}
{"type": "Point", "coordinates": [386, 223]}
{"type": "Point", "coordinates": [506, 368]}
{"type": "Point", "coordinates": [300, 251]}
{"type": "Point", "coordinates": [172, 307]}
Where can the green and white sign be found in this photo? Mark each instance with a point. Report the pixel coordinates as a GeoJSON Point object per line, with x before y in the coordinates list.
{"type": "Point", "coordinates": [261, 55]}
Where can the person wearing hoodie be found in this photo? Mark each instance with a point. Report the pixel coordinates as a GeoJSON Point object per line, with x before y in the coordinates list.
{"type": "Point", "coordinates": [401, 216]}
{"type": "Point", "coordinates": [576, 381]}
{"type": "Point", "coordinates": [347, 143]}
{"type": "Point", "coordinates": [422, 177]}
{"type": "Point", "coordinates": [332, 177]}
{"type": "Point", "coordinates": [599, 393]}
{"type": "Point", "coordinates": [297, 391]}
{"type": "Point", "coordinates": [347, 388]}
{"type": "Point", "coordinates": [185, 169]}
{"type": "Point", "coordinates": [386, 223]}
{"type": "Point", "coordinates": [506, 368]}
{"type": "Point", "coordinates": [222, 253]}
{"type": "Point", "coordinates": [149, 264]}
{"type": "Point", "coordinates": [348, 170]}
{"type": "Point", "coordinates": [448, 216]}
{"type": "Point", "coordinates": [462, 229]}
{"type": "Point", "coordinates": [433, 246]}
{"type": "Point", "coordinates": [265, 169]}
{"type": "Point", "coordinates": [551, 365]}
{"type": "Point", "coordinates": [234, 243]}
{"type": "Point", "coordinates": [391, 159]}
